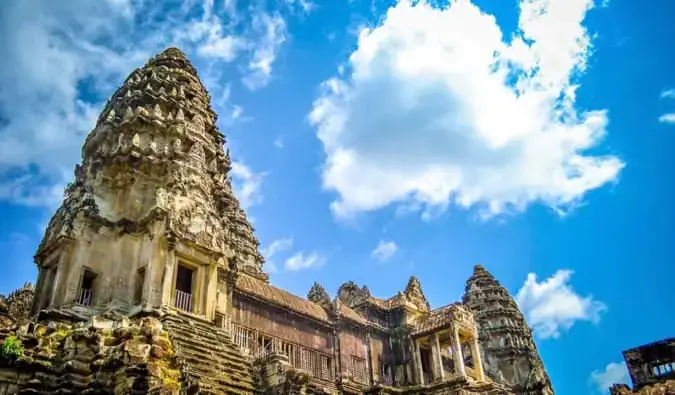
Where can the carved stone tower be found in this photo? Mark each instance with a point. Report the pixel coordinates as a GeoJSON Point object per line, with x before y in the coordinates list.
{"type": "Point", "coordinates": [150, 218]}
{"type": "Point", "coordinates": [510, 354]}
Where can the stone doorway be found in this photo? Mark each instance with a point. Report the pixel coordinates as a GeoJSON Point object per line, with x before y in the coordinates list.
{"type": "Point", "coordinates": [183, 293]}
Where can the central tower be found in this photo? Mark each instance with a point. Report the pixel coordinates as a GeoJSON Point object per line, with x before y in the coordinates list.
{"type": "Point", "coordinates": [150, 217]}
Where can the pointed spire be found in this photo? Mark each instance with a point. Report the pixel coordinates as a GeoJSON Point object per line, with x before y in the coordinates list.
{"type": "Point", "coordinates": [128, 114]}
{"type": "Point", "coordinates": [173, 52]}
{"type": "Point", "coordinates": [157, 111]}
{"type": "Point", "coordinates": [173, 92]}
{"type": "Point", "coordinates": [179, 115]}
{"type": "Point", "coordinates": [318, 294]}
{"type": "Point", "coordinates": [128, 93]}
{"type": "Point", "coordinates": [111, 116]}
{"type": "Point", "coordinates": [181, 92]}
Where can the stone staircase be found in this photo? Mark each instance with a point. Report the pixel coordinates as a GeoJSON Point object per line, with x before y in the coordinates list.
{"type": "Point", "coordinates": [211, 363]}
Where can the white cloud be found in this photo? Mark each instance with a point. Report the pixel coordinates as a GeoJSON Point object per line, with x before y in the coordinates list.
{"type": "Point", "coordinates": [385, 250]}
{"type": "Point", "coordinates": [437, 109]}
{"type": "Point", "coordinates": [667, 118]}
{"type": "Point", "coordinates": [614, 373]}
{"type": "Point", "coordinates": [272, 30]}
{"type": "Point", "coordinates": [247, 184]}
{"type": "Point", "coordinates": [278, 245]}
{"type": "Point", "coordinates": [63, 59]}
{"type": "Point", "coordinates": [302, 260]}
{"type": "Point", "coordinates": [279, 142]}
{"type": "Point", "coordinates": [668, 94]}
{"type": "Point", "coordinates": [552, 306]}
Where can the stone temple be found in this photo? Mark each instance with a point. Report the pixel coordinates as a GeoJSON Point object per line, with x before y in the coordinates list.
{"type": "Point", "coordinates": [151, 282]}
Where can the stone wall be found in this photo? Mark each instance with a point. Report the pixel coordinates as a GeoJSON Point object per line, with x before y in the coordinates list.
{"type": "Point", "coordinates": [281, 324]}
{"type": "Point", "coordinates": [102, 357]}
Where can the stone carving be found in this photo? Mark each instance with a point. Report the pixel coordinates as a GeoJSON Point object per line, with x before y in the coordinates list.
{"type": "Point", "coordinates": [318, 294]}
{"type": "Point", "coordinates": [512, 345]}
{"type": "Point", "coordinates": [352, 295]}
{"type": "Point", "coordinates": [16, 307]}
{"type": "Point", "coordinates": [413, 293]}
{"type": "Point", "coordinates": [135, 130]}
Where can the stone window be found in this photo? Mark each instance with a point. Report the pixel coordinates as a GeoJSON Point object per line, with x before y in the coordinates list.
{"type": "Point", "coordinates": [47, 287]}
{"type": "Point", "coordinates": [86, 292]}
{"type": "Point", "coordinates": [183, 292]}
{"type": "Point", "coordinates": [359, 370]}
{"type": "Point", "coordinates": [140, 280]}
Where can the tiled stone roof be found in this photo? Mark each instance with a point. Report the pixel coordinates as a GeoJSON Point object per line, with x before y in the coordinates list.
{"type": "Point", "coordinates": [263, 290]}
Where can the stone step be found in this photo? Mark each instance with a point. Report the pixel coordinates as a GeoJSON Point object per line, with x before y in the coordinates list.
{"type": "Point", "coordinates": [219, 349]}
{"type": "Point", "coordinates": [210, 360]}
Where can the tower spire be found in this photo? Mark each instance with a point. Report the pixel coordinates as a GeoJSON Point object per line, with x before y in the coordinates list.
{"type": "Point", "coordinates": [502, 323]}
{"type": "Point", "coordinates": [153, 168]}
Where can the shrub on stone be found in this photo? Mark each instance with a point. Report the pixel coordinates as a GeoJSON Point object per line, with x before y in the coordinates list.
{"type": "Point", "coordinates": [11, 348]}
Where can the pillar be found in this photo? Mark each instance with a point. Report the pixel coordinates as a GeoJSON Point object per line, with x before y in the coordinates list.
{"type": "Point", "coordinates": [477, 360]}
{"type": "Point", "coordinates": [436, 361]}
{"type": "Point", "coordinates": [369, 365]}
{"type": "Point", "coordinates": [460, 370]}
{"type": "Point", "coordinates": [417, 362]}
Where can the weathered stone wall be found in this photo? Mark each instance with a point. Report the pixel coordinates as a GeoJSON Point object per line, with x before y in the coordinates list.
{"type": "Point", "coordinates": [281, 324]}
{"type": "Point", "coordinates": [96, 357]}
{"type": "Point", "coordinates": [664, 388]}
{"type": "Point", "coordinates": [352, 343]}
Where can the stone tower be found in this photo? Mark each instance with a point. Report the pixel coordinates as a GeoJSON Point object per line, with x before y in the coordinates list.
{"type": "Point", "coordinates": [510, 354]}
{"type": "Point", "coordinates": [150, 218]}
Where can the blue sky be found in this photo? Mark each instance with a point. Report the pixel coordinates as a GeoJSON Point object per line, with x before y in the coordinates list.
{"type": "Point", "coordinates": [376, 140]}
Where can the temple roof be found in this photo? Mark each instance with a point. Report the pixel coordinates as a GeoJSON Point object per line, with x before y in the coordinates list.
{"type": "Point", "coordinates": [266, 291]}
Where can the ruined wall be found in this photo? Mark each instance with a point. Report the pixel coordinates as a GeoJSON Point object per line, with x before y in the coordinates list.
{"type": "Point", "coordinates": [281, 324]}
{"type": "Point", "coordinates": [380, 355]}
{"type": "Point", "coordinates": [115, 260]}
{"type": "Point", "coordinates": [104, 358]}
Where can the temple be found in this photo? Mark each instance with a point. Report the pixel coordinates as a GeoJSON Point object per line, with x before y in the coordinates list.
{"type": "Point", "coordinates": [651, 368]}
{"type": "Point", "coordinates": [151, 281]}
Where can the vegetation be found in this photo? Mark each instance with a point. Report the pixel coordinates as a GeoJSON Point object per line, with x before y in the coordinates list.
{"type": "Point", "coordinates": [11, 348]}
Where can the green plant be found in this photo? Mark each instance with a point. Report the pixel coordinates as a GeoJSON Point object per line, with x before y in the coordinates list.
{"type": "Point", "coordinates": [11, 348]}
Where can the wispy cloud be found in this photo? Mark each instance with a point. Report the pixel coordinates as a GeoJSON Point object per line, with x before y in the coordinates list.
{"type": "Point", "coordinates": [667, 118]}
{"type": "Point", "coordinates": [247, 184]}
{"type": "Point", "coordinates": [668, 94]}
{"type": "Point", "coordinates": [63, 59]}
{"type": "Point", "coordinates": [385, 250]}
{"type": "Point", "coordinates": [552, 306]}
{"type": "Point", "coordinates": [275, 247]}
{"type": "Point", "coordinates": [304, 260]}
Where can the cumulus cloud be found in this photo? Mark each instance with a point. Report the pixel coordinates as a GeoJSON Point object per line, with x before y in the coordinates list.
{"type": "Point", "coordinates": [384, 250]}
{"type": "Point", "coordinates": [303, 260]}
{"type": "Point", "coordinates": [63, 59]}
{"type": "Point", "coordinates": [614, 373]}
{"type": "Point", "coordinates": [247, 184]}
{"type": "Point", "coordinates": [552, 307]}
{"type": "Point", "coordinates": [436, 107]}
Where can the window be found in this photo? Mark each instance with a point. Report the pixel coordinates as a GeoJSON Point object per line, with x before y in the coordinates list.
{"type": "Point", "coordinates": [140, 280]}
{"type": "Point", "coordinates": [48, 287]}
{"type": "Point", "coordinates": [183, 294]}
{"type": "Point", "coordinates": [359, 370]}
{"type": "Point", "coordinates": [85, 294]}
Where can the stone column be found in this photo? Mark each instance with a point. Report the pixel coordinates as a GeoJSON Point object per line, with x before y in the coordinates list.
{"type": "Point", "coordinates": [436, 361]}
{"type": "Point", "coordinates": [477, 362]}
{"type": "Point", "coordinates": [369, 353]}
{"type": "Point", "coordinates": [168, 276]}
{"type": "Point", "coordinates": [460, 370]}
{"type": "Point", "coordinates": [417, 362]}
